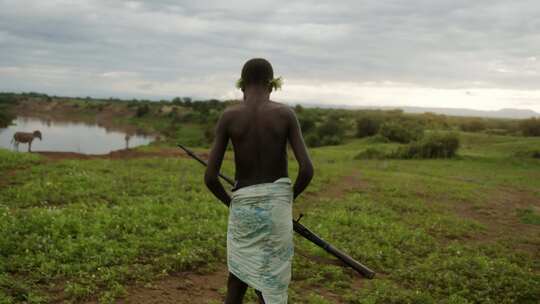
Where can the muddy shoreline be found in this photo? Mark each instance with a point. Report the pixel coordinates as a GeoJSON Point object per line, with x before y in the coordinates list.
{"type": "Point", "coordinates": [118, 154]}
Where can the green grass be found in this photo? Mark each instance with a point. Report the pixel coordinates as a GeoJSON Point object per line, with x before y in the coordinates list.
{"type": "Point", "coordinates": [93, 227]}
{"type": "Point", "coordinates": [529, 216]}
{"type": "Point", "coordinates": [10, 160]}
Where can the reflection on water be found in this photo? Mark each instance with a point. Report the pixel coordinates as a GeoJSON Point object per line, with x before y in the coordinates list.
{"type": "Point", "coordinates": [70, 137]}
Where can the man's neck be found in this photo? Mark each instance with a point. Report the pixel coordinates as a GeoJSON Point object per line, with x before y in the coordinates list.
{"type": "Point", "coordinates": [256, 94]}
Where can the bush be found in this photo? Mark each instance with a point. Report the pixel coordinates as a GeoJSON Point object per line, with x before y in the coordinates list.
{"type": "Point", "coordinates": [528, 153]}
{"type": "Point", "coordinates": [530, 127]}
{"type": "Point", "coordinates": [331, 140]}
{"type": "Point", "coordinates": [330, 132]}
{"type": "Point", "coordinates": [5, 117]}
{"type": "Point", "coordinates": [307, 123]}
{"type": "Point", "coordinates": [401, 132]}
{"type": "Point", "coordinates": [331, 127]}
{"type": "Point", "coordinates": [367, 126]}
{"type": "Point", "coordinates": [142, 110]}
{"type": "Point", "coordinates": [378, 139]}
{"type": "Point", "coordinates": [476, 125]}
{"type": "Point", "coordinates": [6, 100]}
{"type": "Point", "coordinates": [209, 133]}
{"type": "Point", "coordinates": [371, 153]}
{"type": "Point", "coordinates": [436, 145]}
{"type": "Point", "coordinates": [313, 140]}
{"type": "Point", "coordinates": [497, 132]}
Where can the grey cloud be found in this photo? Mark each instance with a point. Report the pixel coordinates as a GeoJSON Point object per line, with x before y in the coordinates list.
{"type": "Point", "coordinates": [438, 44]}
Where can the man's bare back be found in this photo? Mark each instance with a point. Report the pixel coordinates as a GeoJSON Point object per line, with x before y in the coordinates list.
{"type": "Point", "coordinates": [259, 130]}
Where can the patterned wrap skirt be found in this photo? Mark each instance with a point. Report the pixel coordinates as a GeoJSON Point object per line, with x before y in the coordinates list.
{"type": "Point", "coordinates": [260, 238]}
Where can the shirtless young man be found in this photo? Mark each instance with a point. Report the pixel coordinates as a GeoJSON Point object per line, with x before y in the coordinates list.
{"type": "Point", "coordinates": [259, 238]}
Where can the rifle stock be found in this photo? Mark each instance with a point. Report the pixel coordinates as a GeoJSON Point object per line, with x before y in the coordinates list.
{"type": "Point", "coordinates": [305, 232]}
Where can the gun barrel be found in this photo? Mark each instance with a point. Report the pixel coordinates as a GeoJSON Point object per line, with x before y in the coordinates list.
{"type": "Point", "coordinates": [346, 259]}
{"type": "Point", "coordinates": [306, 233]}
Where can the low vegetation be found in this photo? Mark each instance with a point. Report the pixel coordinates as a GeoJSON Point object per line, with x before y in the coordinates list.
{"type": "Point", "coordinates": [89, 229]}
{"type": "Point", "coordinates": [433, 145]}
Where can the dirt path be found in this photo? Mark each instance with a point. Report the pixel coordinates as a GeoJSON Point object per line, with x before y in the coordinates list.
{"type": "Point", "coordinates": [185, 287]}
{"type": "Point", "coordinates": [500, 217]}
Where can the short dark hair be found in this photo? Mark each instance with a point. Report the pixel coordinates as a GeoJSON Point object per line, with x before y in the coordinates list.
{"type": "Point", "coordinates": [257, 71]}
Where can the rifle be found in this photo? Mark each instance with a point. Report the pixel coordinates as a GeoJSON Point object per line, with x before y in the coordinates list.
{"type": "Point", "coordinates": [305, 232]}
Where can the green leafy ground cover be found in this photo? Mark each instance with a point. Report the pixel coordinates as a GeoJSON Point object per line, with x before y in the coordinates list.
{"type": "Point", "coordinates": [79, 229]}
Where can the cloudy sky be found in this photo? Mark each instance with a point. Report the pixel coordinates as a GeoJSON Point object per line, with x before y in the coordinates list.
{"type": "Point", "coordinates": [482, 54]}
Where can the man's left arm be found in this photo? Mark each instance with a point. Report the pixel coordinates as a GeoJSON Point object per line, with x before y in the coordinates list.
{"type": "Point", "coordinates": [211, 178]}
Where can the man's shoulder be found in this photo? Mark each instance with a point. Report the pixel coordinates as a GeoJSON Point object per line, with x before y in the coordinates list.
{"type": "Point", "coordinates": [282, 108]}
{"type": "Point", "coordinates": [231, 111]}
{"type": "Point", "coordinates": [272, 107]}
{"type": "Point", "coordinates": [234, 107]}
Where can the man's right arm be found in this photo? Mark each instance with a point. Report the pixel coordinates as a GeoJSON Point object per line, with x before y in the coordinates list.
{"type": "Point", "coordinates": [305, 167]}
{"type": "Point", "coordinates": [215, 159]}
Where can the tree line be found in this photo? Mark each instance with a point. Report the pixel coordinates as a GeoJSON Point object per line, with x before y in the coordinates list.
{"type": "Point", "coordinates": [321, 127]}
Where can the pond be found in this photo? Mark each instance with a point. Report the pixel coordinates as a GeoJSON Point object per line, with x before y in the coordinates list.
{"type": "Point", "coordinates": [70, 137]}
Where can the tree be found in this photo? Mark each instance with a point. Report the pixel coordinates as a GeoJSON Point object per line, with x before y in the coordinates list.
{"type": "Point", "coordinates": [177, 101]}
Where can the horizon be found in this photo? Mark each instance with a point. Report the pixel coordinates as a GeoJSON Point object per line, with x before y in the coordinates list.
{"type": "Point", "coordinates": [463, 112]}
{"type": "Point", "coordinates": [447, 54]}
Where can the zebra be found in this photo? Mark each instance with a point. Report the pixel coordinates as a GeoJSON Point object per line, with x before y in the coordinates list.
{"type": "Point", "coordinates": [25, 137]}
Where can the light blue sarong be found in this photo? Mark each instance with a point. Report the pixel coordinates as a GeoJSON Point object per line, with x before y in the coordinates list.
{"type": "Point", "coordinates": [260, 238]}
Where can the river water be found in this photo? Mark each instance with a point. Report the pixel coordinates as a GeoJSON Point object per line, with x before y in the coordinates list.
{"type": "Point", "coordinates": [70, 137]}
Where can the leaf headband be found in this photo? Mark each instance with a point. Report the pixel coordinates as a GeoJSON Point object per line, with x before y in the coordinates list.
{"type": "Point", "coordinates": [275, 83]}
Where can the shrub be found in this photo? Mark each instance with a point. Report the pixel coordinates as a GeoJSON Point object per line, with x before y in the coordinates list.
{"type": "Point", "coordinates": [530, 127]}
{"type": "Point", "coordinates": [313, 140]}
{"type": "Point", "coordinates": [5, 117]}
{"type": "Point", "coordinates": [401, 132]}
{"type": "Point", "coordinates": [331, 127]}
{"type": "Point", "coordinates": [377, 139]}
{"type": "Point", "coordinates": [331, 140]}
{"type": "Point", "coordinates": [497, 131]}
{"type": "Point", "coordinates": [209, 132]}
{"type": "Point", "coordinates": [528, 153]}
{"type": "Point", "coordinates": [371, 153]}
{"type": "Point", "coordinates": [367, 126]}
{"type": "Point", "coordinates": [307, 123]}
{"type": "Point", "coordinates": [436, 145]}
{"type": "Point", "coordinates": [476, 125]}
{"type": "Point", "coordinates": [330, 132]}
{"type": "Point", "coordinates": [142, 110]}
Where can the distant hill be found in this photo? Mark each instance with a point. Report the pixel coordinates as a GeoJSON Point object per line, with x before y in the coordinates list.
{"type": "Point", "coordinates": [502, 113]}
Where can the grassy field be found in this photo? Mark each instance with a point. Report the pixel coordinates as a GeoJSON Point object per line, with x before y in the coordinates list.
{"type": "Point", "coordinates": [463, 230]}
